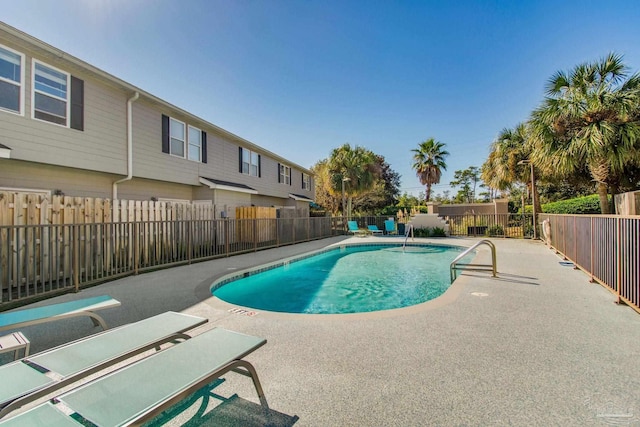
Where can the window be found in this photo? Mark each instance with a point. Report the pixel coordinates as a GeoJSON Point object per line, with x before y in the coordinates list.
{"type": "Point", "coordinates": [11, 79]}
{"type": "Point", "coordinates": [177, 135]}
{"type": "Point", "coordinates": [285, 175]}
{"type": "Point", "coordinates": [182, 140]}
{"type": "Point", "coordinates": [249, 162]}
{"type": "Point", "coordinates": [195, 144]}
{"type": "Point", "coordinates": [306, 182]}
{"type": "Point", "coordinates": [50, 94]}
{"type": "Point", "coordinates": [246, 161]}
{"type": "Point", "coordinates": [254, 164]}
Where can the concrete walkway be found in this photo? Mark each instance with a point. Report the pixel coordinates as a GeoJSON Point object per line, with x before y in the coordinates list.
{"type": "Point", "coordinates": [539, 345]}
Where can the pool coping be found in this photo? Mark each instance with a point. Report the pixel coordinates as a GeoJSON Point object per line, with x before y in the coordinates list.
{"type": "Point", "coordinates": [448, 297]}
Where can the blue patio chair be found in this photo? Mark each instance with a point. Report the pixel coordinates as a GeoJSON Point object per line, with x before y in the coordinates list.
{"type": "Point", "coordinates": [390, 227]}
{"type": "Point", "coordinates": [355, 230]}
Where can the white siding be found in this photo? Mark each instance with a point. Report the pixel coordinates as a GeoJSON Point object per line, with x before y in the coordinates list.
{"type": "Point", "coordinates": [73, 182]}
{"type": "Point", "coordinates": [100, 147]}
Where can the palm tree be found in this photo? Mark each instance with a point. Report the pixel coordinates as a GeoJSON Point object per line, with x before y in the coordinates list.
{"type": "Point", "coordinates": [590, 117]}
{"type": "Point", "coordinates": [428, 161]}
{"type": "Point", "coordinates": [354, 169]}
{"type": "Point", "coordinates": [504, 166]}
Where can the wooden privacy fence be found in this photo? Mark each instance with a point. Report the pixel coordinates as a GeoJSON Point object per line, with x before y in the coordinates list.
{"type": "Point", "coordinates": [40, 259]}
{"type": "Point", "coordinates": [40, 209]}
{"type": "Point", "coordinates": [606, 247]}
{"type": "Point", "coordinates": [248, 231]}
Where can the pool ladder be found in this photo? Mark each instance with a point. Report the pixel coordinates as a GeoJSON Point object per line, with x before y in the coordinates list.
{"type": "Point", "coordinates": [455, 265]}
{"type": "Point", "coordinates": [406, 235]}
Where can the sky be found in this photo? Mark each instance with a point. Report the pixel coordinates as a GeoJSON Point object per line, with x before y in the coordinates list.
{"type": "Point", "coordinates": [303, 77]}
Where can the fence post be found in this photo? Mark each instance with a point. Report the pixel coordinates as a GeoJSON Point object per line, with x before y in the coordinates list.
{"type": "Point", "coordinates": [76, 257]}
{"type": "Point", "coordinates": [308, 229]}
{"type": "Point", "coordinates": [277, 232]}
{"type": "Point", "coordinates": [136, 247]}
{"type": "Point", "coordinates": [255, 234]}
{"type": "Point", "coordinates": [189, 241]}
{"type": "Point", "coordinates": [226, 236]}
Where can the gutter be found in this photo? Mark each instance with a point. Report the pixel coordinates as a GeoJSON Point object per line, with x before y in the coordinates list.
{"type": "Point", "coordinates": [129, 145]}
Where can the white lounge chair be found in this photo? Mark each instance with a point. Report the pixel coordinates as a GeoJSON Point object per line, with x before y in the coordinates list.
{"type": "Point", "coordinates": [139, 392]}
{"type": "Point", "coordinates": [40, 374]}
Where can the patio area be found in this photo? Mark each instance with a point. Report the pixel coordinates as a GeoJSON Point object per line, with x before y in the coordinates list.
{"type": "Point", "coordinates": [539, 345]}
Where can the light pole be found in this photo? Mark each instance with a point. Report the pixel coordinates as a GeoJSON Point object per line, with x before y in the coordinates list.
{"type": "Point", "coordinates": [344, 200]}
{"type": "Point", "coordinates": [533, 195]}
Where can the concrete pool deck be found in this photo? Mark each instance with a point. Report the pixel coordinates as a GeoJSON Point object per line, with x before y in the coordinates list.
{"type": "Point", "coordinates": [539, 345]}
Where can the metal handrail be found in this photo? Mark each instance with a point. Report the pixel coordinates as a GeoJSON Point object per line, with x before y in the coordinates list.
{"type": "Point", "coordinates": [406, 235]}
{"type": "Point", "coordinates": [454, 267]}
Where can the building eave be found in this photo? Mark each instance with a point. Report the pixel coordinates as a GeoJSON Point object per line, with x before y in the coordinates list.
{"type": "Point", "coordinates": [227, 187]}
{"type": "Point", "coordinates": [300, 198]}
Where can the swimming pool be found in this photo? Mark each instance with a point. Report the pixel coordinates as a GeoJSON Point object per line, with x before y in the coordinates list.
{"type": "Point", "coordinates": [345, 279]}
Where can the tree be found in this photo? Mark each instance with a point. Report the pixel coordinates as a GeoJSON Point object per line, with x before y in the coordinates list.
{"type": "Point", "coordinates": [467, 179]}
{"type": "Point", "coordinates": [324, 195]}
{"type": "Point", "coordinates": [354, 169]}
{"type": "Point", "coordinates": [505, 166]}
{"type": "Point", "coordinates": [590, 117]}
{"type": "Point", "coordinates": [407, 199]}
{"type": "Point", "coordinates": [429, 162]}
{"type": "Point", "coordinates": [384, 192]}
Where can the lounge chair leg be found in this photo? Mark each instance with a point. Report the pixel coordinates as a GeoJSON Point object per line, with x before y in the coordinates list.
{"type": "Point", "coordinates": [251, 372]}
{"type": "Point", "coordinates": [98, 321]}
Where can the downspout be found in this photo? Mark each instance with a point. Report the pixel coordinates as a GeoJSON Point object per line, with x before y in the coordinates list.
{"type": "Point", "coordinates": [129, 145]}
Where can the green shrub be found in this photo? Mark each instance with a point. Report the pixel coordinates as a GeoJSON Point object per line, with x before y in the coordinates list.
{"type": "Point", "coordinates": [438, 232]}
{"type": "Point", "coordinates": [429, 232]}
{"type": "Point", "coordinates": [422, 232]}
{"type": "Point", "coordinates": [579, 205]}
{"type": "Point", "coordinates": [495, 230]}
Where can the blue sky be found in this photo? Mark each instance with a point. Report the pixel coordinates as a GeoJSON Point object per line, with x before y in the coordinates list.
{"type": "Point", "coordinates": [303, 77]}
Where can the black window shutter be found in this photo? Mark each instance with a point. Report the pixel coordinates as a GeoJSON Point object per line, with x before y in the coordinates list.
{"type": "Point", "coordinates": [165, 134]}
{"type": "Point", "coordinates": [302, 175]}
{"type": "Point", "coordinates": [240, 155]}
{"type": "Point", "coordinates": [77, 104]}
{"type": "Point", "coordinates": [290, 176]}
{"type": "Point", "coordinates": [204, 147]}
{"type": "Point", "coordinates": [259, 166]}
{"type": "Point", "coordinates": [279, 173]}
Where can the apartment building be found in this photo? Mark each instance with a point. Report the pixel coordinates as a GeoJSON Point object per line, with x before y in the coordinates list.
{"type": "Point", "coordinates": [68, 127]}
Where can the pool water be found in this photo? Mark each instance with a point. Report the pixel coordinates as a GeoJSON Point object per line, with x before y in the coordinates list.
{"type": "Point", "coordinates": [351, 279]}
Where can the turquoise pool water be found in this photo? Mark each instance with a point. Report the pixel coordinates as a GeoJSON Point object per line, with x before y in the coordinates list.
{"type": "Point", "coordinates": [351, 279]}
